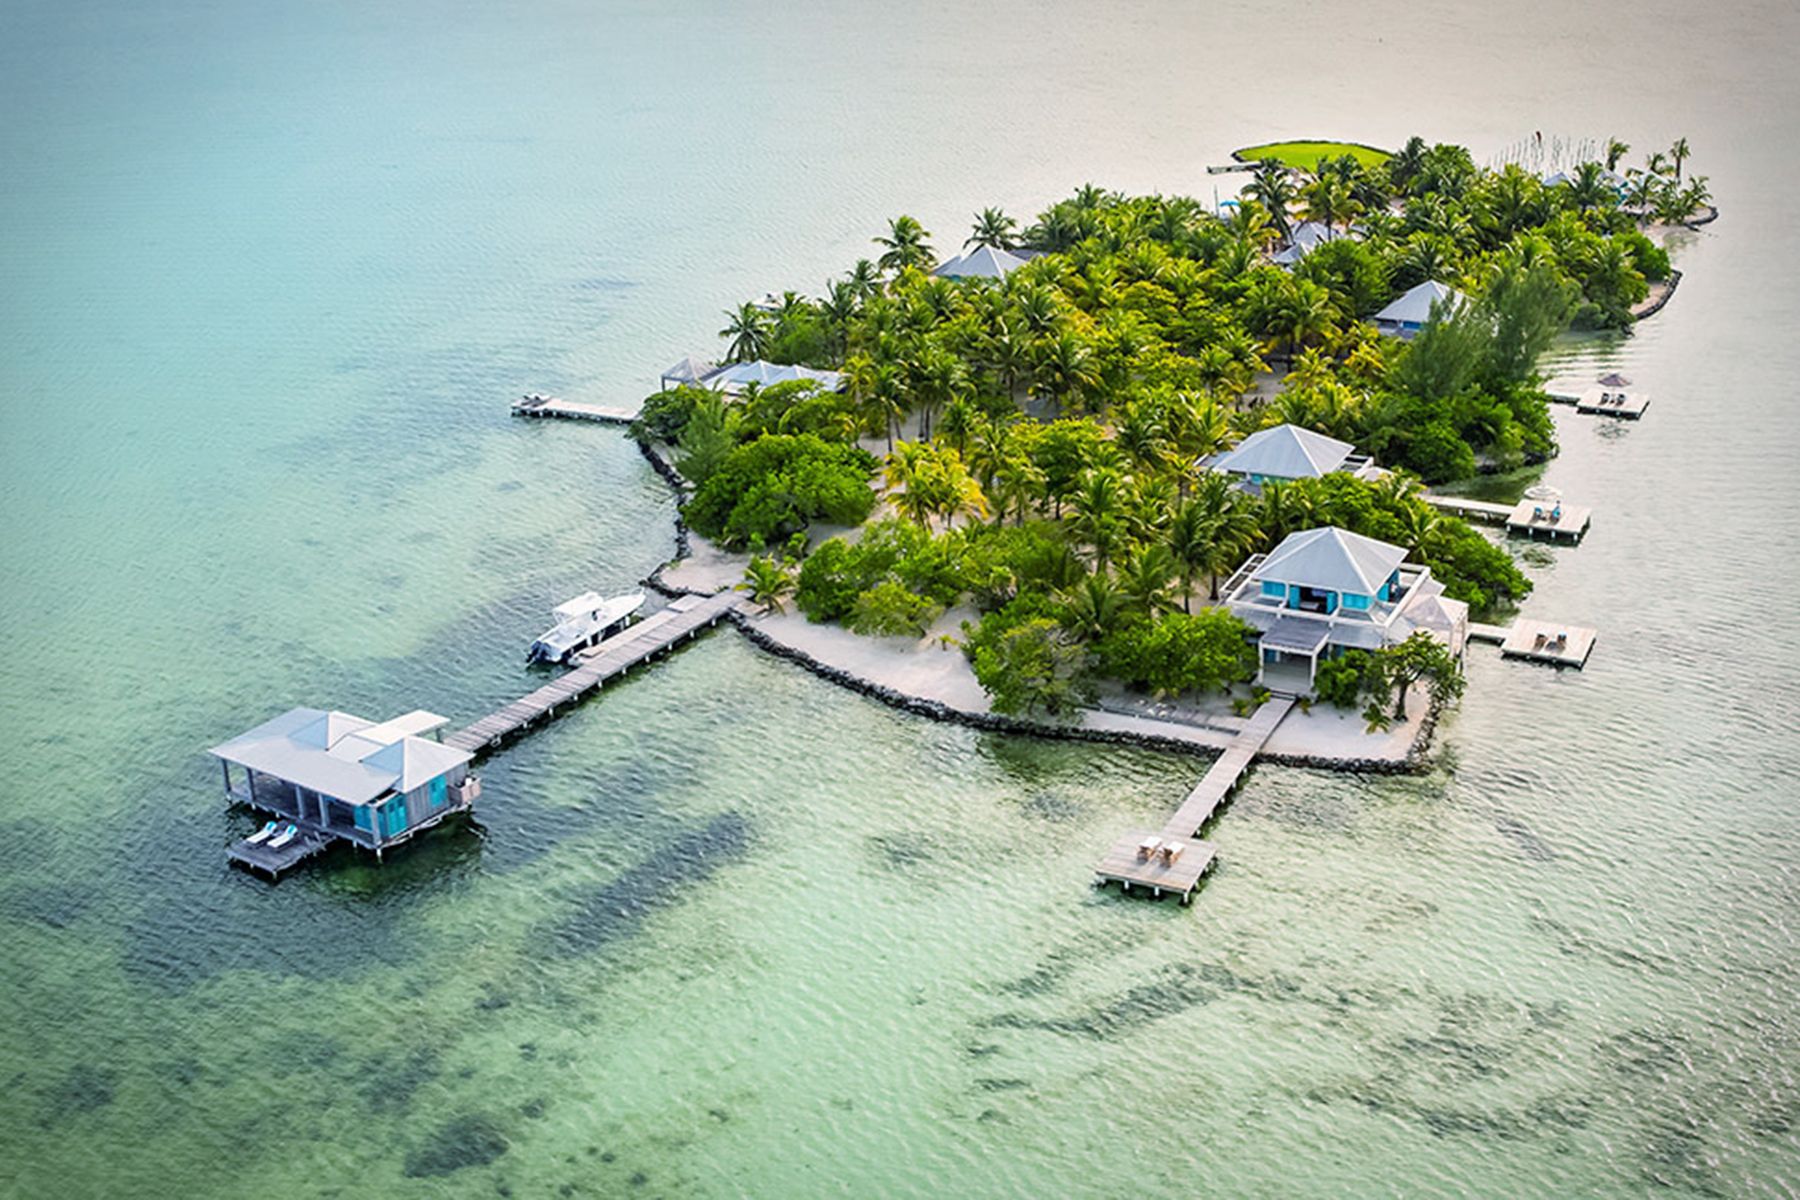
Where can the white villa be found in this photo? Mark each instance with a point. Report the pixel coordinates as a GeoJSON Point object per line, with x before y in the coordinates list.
{"type": "Point", "coordinates": [1407, 315]}
{"type": "Point", "coordinates": [1283, 453]}
{"type": "Point", "coordinates": [1324, 591]}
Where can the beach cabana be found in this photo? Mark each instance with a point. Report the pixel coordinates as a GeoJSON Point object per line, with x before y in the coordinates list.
{"type": "Point", "coordinates": [983, 262]}
{"type": "Point", "coordinates": [1407, 315]}
{"type": "Point", "coordinates": [1327, 590]}
{"type": "Point", "coordinates": [689, 370]}
{"type": "Point", "coordinates": [340, 777]}
{"type": "Point", "coordinates": [732, 380]}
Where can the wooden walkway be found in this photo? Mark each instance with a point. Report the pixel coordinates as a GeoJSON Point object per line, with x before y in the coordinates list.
{"type": "Point", "coordinates": [613, 657]}
{"type": "Point", "coordinates": [1145, 858]}
{"type": "Point", "coordinates": [571, 410]}
{"type": "Point", "coordinates": [1532, 518]}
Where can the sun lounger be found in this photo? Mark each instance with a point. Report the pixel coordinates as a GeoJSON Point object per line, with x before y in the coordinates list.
{"type": "Point", "coordinates": [262, 835]}
{"type": "Point", "coordinates": [1170, 852]}
{"type": "Point", "coordinates": [1538, 642]}
{"type": "Point", "coordinates": [284, 837]}
{"type": "Point", "coordinates": [1148, 847]}
{"type": "Point", "coordinates": [1537, 513]}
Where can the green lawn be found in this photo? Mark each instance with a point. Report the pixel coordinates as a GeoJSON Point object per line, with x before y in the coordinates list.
{"type": "Point", "coordinates": [1304, 156]}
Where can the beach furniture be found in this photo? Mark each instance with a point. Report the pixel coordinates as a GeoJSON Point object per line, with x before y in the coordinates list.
{"type": "Point", "coordinates": [1147, 847]}
{"type": "Point", "coordinates": [284, 837]}
{"type": "Point", "coordinates": [1538, 642]}
{"type": "Point", "coordinates": [262, 835]}
{"type": "Point", "coordinates": [1170, 852]}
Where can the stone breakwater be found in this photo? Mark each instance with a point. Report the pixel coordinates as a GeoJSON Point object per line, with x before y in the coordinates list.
{"type": "Point", "coordinates": [936, 710]}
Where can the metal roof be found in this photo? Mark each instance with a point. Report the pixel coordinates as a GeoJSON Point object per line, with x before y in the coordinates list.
{"type": "Point", "coordinates": [343, 756]}
{"type": "Point", "coordinates": [1285, 452]}
{"type": "Point", "coordinates": [983, 262]}
{"type": "Point", "coordinates": [1296, 635]}
{"type": "Point", "coordinates": [740, 375]}
{"type": "Point", "coordinates": [1414, 307]}
{"type": "Point", "coordinates": [689, 370]}
{"type": "Point", "coordinates": [1332, 559]}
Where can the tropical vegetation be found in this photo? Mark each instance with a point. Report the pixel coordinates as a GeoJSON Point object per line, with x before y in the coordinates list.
{"type": "Point", "coordinates": [1032, 447]}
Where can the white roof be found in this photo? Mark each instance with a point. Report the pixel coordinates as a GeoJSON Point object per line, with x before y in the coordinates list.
{"type": "Point", "coordinates": [342, 756]}
{"type": "Point", "coordinates": [689, 370]}
{"type": "Point", "coordinates": [983, 262]}
{"type": "Point", "coordinates": [1333, 559]}
{"type": "Point", "coordinates": [1285, 452]}
{"type": "Point", "coordinates": [1414, 308]}
{"type": "Point", "coordinates": [740, 375]}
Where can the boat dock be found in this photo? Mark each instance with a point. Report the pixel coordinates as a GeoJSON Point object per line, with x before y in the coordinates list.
{"type": "Point", "coordinates": [1604, 402]}
{"type": "Point", "coordinates": [1550, 519]}
{"type": "Point", "coordinates": [1557, 645]}
{"type": "Point", "coordinates": [570, 410]}
{"type": "Point", "coordinates": [636, 644]}
{"type": "Point", "coordinates": [1175, 860]}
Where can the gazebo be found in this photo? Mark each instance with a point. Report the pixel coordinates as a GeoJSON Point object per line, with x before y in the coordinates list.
{"type": "Point", "coordinates": [689, 370]}
{"type": "Point", "coordinates": [733, 379]}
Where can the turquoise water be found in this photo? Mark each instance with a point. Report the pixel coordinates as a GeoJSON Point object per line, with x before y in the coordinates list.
{"type": "Point", "coordinates": [268, 277]}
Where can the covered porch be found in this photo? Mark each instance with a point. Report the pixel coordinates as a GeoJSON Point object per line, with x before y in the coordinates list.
{"type": "Point", "coordinates": [1288, 654]}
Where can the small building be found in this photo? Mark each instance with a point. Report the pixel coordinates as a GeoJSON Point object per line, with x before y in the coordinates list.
{"type": "Point", "coordinates": [688, 372]}
{"type": "Point", "coordinates": [1324, 591]}
{"type": "Point", "coordinates": [734, 379]}
{"type": "Point", "coordinates": [1407, 315]}
{"type": "Point", "coordinates": [983, 262]}
{"type": "Point", "coordinates": [337, 777]}
{"type": "Point", "coordinates": [1283, 453]}
{"type": "Point", "coordinates": [1306, 237]}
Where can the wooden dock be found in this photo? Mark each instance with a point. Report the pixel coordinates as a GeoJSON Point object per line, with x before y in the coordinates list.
{"type": "Point", "coordinates": [1558, 645]}
{"type": "Point", "coordinates": [1145, 859]}
{"type": "Point", "coordinates": [1600, 401]}
{"type": "Point", "coordinates": [259, 856]}
{"type": "Point", "coordinates": [654, 635]}
{"type": "Point", "coordinates": [1530, 518]}
{"type": "Point", "coordinates": [570, 410]}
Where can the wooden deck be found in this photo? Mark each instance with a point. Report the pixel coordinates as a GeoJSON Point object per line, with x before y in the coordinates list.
{"type": "Point", "coordinates": [654, 635]}
{"type": "Point", "coordinates": [1536, 641]}
{"type": "Point", "coordinates": [273, 863]}
{"type": "Point", "coordinates": [571, 410]}
{"type": "Point", "coordinates": [1630, 406]}
{"type": "Point", "coordinates": [1126, 864]}
{"type": "Point", "coordinates": [1528, 517]}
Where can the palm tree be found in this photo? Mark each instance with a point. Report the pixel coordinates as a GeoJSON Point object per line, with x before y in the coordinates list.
{"type": "Point", "coordinates": [1190, 542]}
{"type": "Point", "coordinates": [1615, 150]}
{"type": "Point", "coordinates": [865, 279]}
{"type": "Point", "coordinates": [1309, 312]}
{"type": "Point", "coordinates": [1407, 162]}
{"type": "Point", "coordinates": [992, 228]}
{"type": "Point", "coordinates": [1065, 368]}
{"type": "Point", "coordinates": [1099, 515]}
{"type": "Point", "coordinates": [1272, 188]}
{"type": "Point", "coordinates": [1018, 482]}
{"type": "Point", "coordinates": [748, 329]}
{"type": "Point", "coordinates": [1144, 580]}
{"type": "Point", "coordinates": [905, 246]}
{"type": "Point", "coordinates": [1328, 201]}
{"type": "Point", "coordinates": [1679, 153]}
{"type": "Point", "coordinates": [768, 582]}
{"type": "Point", "coordinates": [1142, 434]}
{"type": "Point", "coordinates": [1092, 608]}
{"type": "Point", "coordinates": [1230, 528]}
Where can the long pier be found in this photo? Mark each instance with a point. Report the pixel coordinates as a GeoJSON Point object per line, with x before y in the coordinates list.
{"type": "Point", "coordinates": [572, 410]}
{"type": "Point", "coordinates": [1174, 860]}
{"type": "Point", "coordinates": [654, 635]}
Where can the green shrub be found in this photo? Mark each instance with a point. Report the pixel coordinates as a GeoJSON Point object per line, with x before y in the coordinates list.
{"type": "Point", "coordinates": [777, 485]}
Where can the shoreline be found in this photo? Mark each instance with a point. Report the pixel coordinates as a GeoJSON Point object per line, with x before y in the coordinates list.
{"type": "Point", "coordinates": [870, 670]}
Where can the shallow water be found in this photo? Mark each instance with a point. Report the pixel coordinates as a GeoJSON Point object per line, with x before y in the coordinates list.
{"type": "Point", "coordinates": [268, 278]}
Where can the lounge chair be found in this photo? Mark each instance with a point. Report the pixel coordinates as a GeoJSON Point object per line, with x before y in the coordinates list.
{"type": "Point", "coordinates": [1170, 852]}
{"type": "Point", "coordinates": [284, 837]}
{"type": "Point", "coordinates": [1148, 847]}
{"type": "Point", "coordinates": [262, 835]}
{"type": "Point", "coordinates": [1538, 642]}
{"type": "Point", "coordinates": [1537, 513]}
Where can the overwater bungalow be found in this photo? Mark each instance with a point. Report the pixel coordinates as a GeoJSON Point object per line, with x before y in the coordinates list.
{"type": "Point", "coordinates": [1408, 314]}
{"type": "Point", "coordinates": [329, 776]}
{"type": "Point", "coordinates": [1324, 591]}
{"type": "Point", "coordinates": [1283, 453]}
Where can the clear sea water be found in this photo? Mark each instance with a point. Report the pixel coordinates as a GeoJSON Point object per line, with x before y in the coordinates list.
{"type": "Point", "coordinates": [269, 275]}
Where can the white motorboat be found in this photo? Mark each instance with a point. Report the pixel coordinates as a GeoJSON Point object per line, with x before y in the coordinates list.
{"type": "Point", "coordinates": [582, 622]}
